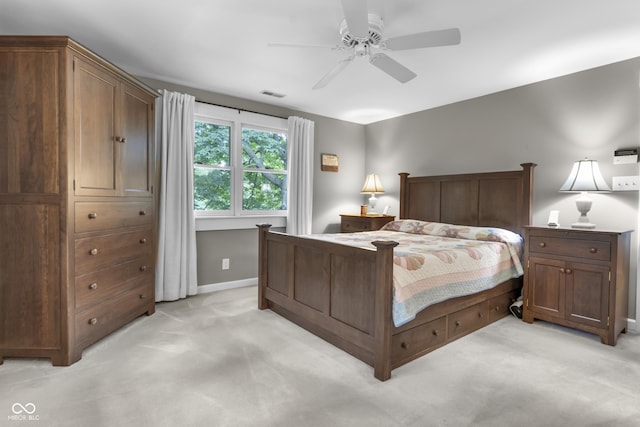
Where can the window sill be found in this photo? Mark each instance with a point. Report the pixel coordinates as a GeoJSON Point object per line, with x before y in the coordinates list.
{"type": "Point", "coordinates": [211, 223]}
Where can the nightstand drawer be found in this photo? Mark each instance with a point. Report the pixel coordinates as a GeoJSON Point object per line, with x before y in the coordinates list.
{"type": "Point", "coordinates": [356, 224]}
{"type": "Point", "coordinates": [588, 249]}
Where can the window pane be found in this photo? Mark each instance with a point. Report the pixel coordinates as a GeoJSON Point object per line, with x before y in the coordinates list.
{"type": "Point", "coordinates": [264, 191]}
{"type": "Point", "coordinates": [211, 144]}
{"type": "Point", "coordinates": [264, 149]}
{"type": "Point", "coordinates": [211, 189]}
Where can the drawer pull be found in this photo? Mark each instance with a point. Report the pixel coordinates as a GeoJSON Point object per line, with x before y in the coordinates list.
{"type": "Point", "coordinates": [143, 241]}
{"type": "Point", "coordinates": [93, 251]}
{"type": "Point", "coordinates": [143, 213]}
{"type": "Point", "coordinates": [562, 270]}
{"type": "Point", "coordinates": [593, 250]}
{"type": "Point", "coordinates": [542, 244]}
{"type": "Point", "coordinates": [93, 286]}
{"type": "Point", "coordinates": [143, 268]}
{"type": "Point", "coordinates": [435, 332]}
{"type": "Point", "coordinates": [568, 271]}
{"type": "Point", "coordinates": [457, 323]}
{"type": "Point", "coordinates": [480, 315]}
{"type": "Point", "coordinates": [497, 308]}
{"type": "Point", "coordinates": [121, 139]}
{"type": "Point", "coordinates": [92, 215]}
{"type": "Point", "coordinates": [404, 345]}
{"type": "Point", "coordinates": [143, 296]}
{"type": "Point", "coordinates": [93, 321]}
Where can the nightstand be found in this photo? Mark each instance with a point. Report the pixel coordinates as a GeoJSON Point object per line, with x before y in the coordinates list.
{"type": "Point", "coordinates": [577, 278]}
{"type": "Point", "coordinates": [350, 223]}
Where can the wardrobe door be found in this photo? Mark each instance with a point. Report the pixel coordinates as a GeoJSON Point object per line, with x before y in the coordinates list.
{"type": "Point", "coordinates": [95, 97]}
{"type": "Point", "coordinates": [136, 150]}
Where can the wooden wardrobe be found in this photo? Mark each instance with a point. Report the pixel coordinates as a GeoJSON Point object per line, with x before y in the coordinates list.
{"type": "Point", "coordinates": [77, 205]}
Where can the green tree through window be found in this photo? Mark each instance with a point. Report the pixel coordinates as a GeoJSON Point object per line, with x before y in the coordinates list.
{"type": "Point", "coordinates": [254, 182]}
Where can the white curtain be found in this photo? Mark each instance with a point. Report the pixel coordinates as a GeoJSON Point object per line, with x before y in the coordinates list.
{"type": "Point", "coordinates": [300, 192]}
{"type": "Point", "coordinates": [176, 274]}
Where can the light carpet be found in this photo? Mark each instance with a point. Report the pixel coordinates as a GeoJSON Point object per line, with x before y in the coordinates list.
{"type": "Point", "coordinates": [216, 360]}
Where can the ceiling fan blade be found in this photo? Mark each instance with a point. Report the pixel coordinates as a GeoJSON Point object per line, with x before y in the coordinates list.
{"type": "Point", "coordinates": [305, 45]}
{"type": "Point", "coordinates": [446, 37]}
{"type": "Point", "coordinates": [333, 72]}
{"type": "Point", "coordinates": [357, 17]}
{"type": "Point", "coordinates": [392, 67]}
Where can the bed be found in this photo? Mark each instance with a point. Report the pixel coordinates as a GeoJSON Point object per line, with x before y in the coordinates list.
{"type": "Point", "coordinates": [345, 293]}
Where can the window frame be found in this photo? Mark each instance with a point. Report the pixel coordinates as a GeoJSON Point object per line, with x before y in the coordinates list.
{"type": "Point", "coordinates": [236, 217]}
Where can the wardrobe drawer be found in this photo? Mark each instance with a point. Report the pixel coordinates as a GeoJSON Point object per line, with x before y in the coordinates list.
{"type": "Point", "coordinates": [464, 321]}
{"type": "Point", "coordinates": [588, 249]}
{"type": "Point", "coordinates": [101, 319]}
{"type": "Point", "coordinates": [94, 253]}
{"type": "Point", "coordinates": [95, 216]}
{"type": "Point", "coordinates": [102, 284]}
{"type": "Point", "coordinates": [406, 344]}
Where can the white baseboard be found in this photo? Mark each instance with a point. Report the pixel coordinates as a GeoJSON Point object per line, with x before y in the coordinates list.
{"type": "Point", "coordinates": [632, 325]}
{"type": "Point", "coordinates": [214, 287]}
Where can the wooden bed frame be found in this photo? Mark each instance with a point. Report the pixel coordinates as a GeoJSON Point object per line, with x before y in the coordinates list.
{"type": "Point", "coordinates": [344, 294]}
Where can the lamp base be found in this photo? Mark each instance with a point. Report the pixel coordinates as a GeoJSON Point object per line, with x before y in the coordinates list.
{"type": "Point", "coordinates": [583, 225]}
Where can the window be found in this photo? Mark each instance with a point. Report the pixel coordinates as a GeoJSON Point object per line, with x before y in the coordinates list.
{"type": "Point", "coordinates": [240, 163]}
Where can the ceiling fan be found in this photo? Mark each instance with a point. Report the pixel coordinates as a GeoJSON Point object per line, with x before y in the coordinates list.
{"type": "Point", "coordinates": [362, 34]}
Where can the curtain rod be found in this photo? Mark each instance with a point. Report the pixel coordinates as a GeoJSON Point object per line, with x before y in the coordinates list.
{"type": "Point", "coordinates": [241, 109]}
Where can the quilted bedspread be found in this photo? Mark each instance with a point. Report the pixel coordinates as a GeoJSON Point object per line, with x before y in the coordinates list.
{"type": "Point", "coordinates": [434, 261]}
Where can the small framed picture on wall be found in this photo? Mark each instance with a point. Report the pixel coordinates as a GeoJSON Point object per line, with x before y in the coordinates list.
{"type": "Point", "coordinates": [329, 162]}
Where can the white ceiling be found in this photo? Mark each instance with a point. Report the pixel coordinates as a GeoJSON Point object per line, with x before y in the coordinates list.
{"type": "Point", "coordinates": [221, 46]}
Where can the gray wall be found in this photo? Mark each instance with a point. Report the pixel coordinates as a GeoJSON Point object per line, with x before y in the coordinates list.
{"type": "Point", "coordinates": [334, 192]}
{"type": "Point", "coordinates": [552, 123]}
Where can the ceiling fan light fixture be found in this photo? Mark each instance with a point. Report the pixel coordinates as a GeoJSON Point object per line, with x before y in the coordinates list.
{"type": "Point", "coordinates": [374, 37]}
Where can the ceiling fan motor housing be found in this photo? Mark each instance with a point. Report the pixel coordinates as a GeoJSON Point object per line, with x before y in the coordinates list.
{"type": "Point", "coordinates": [374, 37]}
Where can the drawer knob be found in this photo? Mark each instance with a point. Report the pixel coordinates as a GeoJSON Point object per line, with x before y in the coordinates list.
{"type": "Point", "coordinates": [93, 286]}
{"type": "Point", "coordinates": [143, 241]}
{"type": "Point", "coordinates": [568, 271]}
{"type": "Point", "coordinates": [480, 315]}
{"type": "Point", "coordinates": [121, 139]}
{"type": "Point", "coordinates": [435, 332]}
{"type": "Point", "coordinates": [457, 323]}
{"type": "Point", "coordinates": [94, 251]}
{"type": "Point", "coordinates": [143, 296]}
{"type": "Point", "coordinates": [93, 321]}
{"type": "Point", "coordinates": [593, 250]}
{"type": "Point", "coordinates": [497, 308]}
{"type": "Point", "coordinates": [143, 213]}
{"type": "Point", "coordinates": [92, 215]}
{"type": "Point", "coordinates": [143, 268]}
{"type": "Point", "coordinates": [404, 345]}
{"type": "Point", "coordinates": [542, 244]}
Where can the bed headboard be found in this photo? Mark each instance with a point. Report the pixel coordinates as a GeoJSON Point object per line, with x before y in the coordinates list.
{"type": "Point", "coordinates": [491, 199]}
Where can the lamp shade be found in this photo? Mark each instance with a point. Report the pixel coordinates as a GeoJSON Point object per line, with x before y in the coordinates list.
{"type": "Point", "coordinates": [372, 185]}
{"type": "Point", "coordinates": [585, 176]}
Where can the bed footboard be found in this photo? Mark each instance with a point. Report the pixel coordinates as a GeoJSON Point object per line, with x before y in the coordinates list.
{"type": "Point", "coordinates": [344, 295]}
{"type": "Point", "coordinates": [341, 293]}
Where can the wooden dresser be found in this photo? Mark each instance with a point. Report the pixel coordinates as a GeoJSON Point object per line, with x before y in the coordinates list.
{"type": "Point", "coordinates": [77, 209]}
{"type": "Point", "coordinates": [577, 278]}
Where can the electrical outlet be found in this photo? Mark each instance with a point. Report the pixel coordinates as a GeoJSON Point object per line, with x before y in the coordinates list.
{"type": "Point", "coordinates": [225, 263]}
{"type": "Point", "coordinates": [626, 183]}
